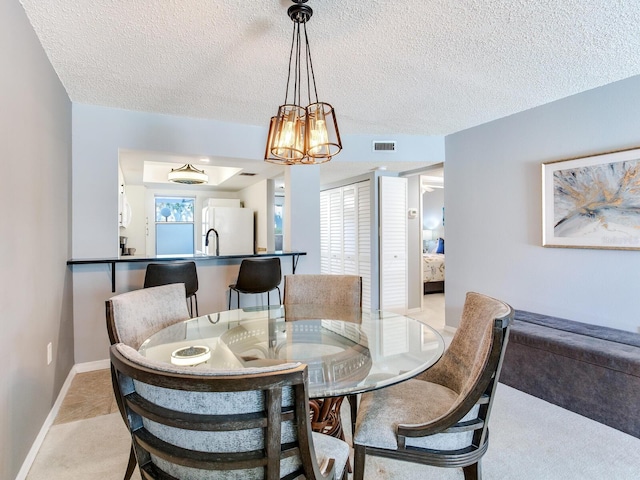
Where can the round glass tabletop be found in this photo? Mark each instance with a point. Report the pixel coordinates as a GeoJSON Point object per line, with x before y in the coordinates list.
{"type": "Point", "coordinates": [347, 351]}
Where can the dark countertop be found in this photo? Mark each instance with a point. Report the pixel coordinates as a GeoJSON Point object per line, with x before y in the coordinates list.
{"type": "Point", "coordinates": [295, 256]}
{"type": "Point", "coordinates": [171, 258]}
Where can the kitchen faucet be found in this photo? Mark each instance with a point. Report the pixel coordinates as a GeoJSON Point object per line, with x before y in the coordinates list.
{"type": "Point", "coordinates": [206, 240]}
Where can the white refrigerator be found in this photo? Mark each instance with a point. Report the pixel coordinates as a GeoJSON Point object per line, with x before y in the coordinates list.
{"type": "Point", "coordinates": [234, 226]}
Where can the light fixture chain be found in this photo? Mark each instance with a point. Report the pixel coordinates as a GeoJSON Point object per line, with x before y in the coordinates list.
{"type": "Point", "coordinates": [310, 63]}
{"type": "Point", "coordinates": [286, 92]}
{"type": "Point", "coordinates": [298, 84]}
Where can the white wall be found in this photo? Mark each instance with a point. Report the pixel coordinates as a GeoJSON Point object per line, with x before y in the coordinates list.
{"type": "Point", "coordinates": [35, 283]}
{"type": "Point", "coordinates": [493, 211]}
{"type": "Point", "coordinates": [302, 214]}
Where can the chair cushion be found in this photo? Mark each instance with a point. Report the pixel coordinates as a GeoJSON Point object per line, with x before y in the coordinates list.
{"type": "Point", "coordinates": [141, 313]}
{"type": "Point", "coordinates": [327, 447]}
{"type": "Point", "coordinates": [408, 403]}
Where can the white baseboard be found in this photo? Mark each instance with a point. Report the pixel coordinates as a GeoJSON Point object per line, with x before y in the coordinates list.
{"type": "Point", "coordinates": [31, 456]}
{"type": "Point", "coordinates": [33, 452]}
{"type": "Point", "coordinates": [91, 366]}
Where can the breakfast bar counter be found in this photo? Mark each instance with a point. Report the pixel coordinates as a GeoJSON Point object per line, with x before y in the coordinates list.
{"type": "Point", "coordinates": [295, 256]}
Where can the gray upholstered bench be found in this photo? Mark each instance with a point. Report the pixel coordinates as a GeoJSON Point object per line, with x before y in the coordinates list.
{"type": "Point", "coordinates": [588, 369]}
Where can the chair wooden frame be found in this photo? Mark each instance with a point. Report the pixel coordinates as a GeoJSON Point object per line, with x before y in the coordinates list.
{"type": "Point", "coordinates": [270, 383]}
{"type": "Point", "coordinates": [481, 394]}
{"type": "Point", "coordinates": [115, 337]}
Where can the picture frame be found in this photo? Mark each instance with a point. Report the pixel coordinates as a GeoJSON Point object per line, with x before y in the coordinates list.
{"type": "Point", "coordinates": [592, 202]}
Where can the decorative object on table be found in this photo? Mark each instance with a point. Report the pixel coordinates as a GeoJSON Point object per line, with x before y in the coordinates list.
{"type": "Point", "coordinates": [592, 202]}
{"type": "Point", "coordinates": [257, 275]}
{"type": "Point", "coordinates": [175, 272]}
{"type": "Point", "coordinates": [297, 134]}
{"type": "Point", "coordinates": [451, 428]}
{"type": "Point", "coordinates": [260, 430]}
{"type": "Point", "coordinates": [188, 174]}
{"type": "Point", "coordinates": [191, 355]}
{"type": "Point", "coordinates": [133, 317]}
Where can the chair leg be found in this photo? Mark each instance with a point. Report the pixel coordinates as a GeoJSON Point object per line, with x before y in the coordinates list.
{"type": "Point", "coordinates": [359, 453]}
{"type": "Point", "coordinates": [195, 297]}
{"type": "Point", "coordinates": [353, 403]}
{"type": "Point", "coordinates": [473, 471]}
{"type": "Point", "coordinates": [131, 466]}
{"type": "Point", "coordinates": [268, 304]}
{"type": "Point", "coordinates": [279, 296]}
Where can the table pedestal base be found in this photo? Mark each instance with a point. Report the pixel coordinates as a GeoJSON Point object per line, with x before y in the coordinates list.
{"type": "Point", "coordinates": [325, 416]}
{"type": "Point", "coordinates": [326, 419]}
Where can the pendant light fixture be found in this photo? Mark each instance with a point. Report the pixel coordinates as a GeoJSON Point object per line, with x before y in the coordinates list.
{"type": "Point", "coordinates": [188, 174]}
{"type": "Point", "coordinates": [302, 135]}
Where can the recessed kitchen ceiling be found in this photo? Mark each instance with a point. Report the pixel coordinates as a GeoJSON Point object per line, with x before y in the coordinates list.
{"type": "Point", "coordinates": [425, 67]}
{"type": "Point", "coordinates": [151, 169]}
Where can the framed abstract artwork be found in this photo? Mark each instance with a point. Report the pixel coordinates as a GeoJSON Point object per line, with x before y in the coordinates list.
{"type": "Point", "coordinates": [592, 202]}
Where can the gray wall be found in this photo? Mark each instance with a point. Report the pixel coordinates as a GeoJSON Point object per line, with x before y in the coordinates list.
{"type": "Point", "coordinates": [414, 245]}
{"type": "Point", "coordinates": [35, 284]}
{"type": "Point", "coordinates": [432, 204]}
{"type": "Point", "coordinates": [493, 211]}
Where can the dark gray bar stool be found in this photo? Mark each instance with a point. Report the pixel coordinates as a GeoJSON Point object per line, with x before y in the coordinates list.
{"type": "Point", "coordinates": [257, 275]}
{"type": "Point", "coordinates": [174, 272]}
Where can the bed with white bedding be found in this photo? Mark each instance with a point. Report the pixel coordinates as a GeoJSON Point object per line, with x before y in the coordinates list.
{"type": "Point", "coordinates": [433, 272]}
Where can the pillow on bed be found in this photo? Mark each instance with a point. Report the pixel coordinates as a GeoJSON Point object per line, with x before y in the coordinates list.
{"type": "Point", "coordinates": [431, 246]}
{"type": "Point", "coordinates": [440, 245]}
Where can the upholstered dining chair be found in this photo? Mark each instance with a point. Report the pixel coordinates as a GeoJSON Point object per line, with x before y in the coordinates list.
{"type": "Point", "coordinates": [175, 272]}
{"type": "Point", "coordinates": [328, 290]}
{"type": "Point", "coordinates": [134, 316]}
{"type": "Point", "coordinates": [342, 292]}
{"type": "Point", "coordinates": [441, 417]}
{"type": "Point", "coordinates": [257, 275]}
{"type": "Point", "coordinates": [197, 423]}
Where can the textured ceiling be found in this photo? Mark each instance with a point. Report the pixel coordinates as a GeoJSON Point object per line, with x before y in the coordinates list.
{"type": "Point", "coordinates": [427, 67]}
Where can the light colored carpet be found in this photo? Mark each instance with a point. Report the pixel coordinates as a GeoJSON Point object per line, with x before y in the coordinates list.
{"type": "Point", "coordinates": [530, 440]}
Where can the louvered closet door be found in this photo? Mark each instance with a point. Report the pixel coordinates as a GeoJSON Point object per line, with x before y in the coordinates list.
{"type": "Point", "coordinates": [335, 228]}
{"type": "Point", "coordinates": [349, 231]}
{"type": "Point", "coordinates": [325, 233]}
{"type": "Point", "coordinates": [393, 244]}
{"type": "Point", "coordinates": [364, 239]}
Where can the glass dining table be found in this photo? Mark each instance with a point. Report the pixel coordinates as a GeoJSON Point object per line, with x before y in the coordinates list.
{"type": "Point", "coordinates": [348, 351]}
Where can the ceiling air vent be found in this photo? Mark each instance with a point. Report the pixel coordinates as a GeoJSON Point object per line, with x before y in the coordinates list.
{"type": "Point", "coordinates": [248, 174]}
{"type": "Point", "coordinates": [387, 146]}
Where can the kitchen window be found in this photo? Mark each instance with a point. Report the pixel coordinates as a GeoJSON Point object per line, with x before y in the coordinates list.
{"type": "Point", "coordinates": [175, 230]}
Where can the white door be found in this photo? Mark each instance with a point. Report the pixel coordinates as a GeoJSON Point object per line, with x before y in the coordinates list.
{"type": "Point", "coordinates": [393, 244]}
{"type": "Point", "coordinates": [364, 240]}
{"type": "Point", "coordinates": [349, 231]}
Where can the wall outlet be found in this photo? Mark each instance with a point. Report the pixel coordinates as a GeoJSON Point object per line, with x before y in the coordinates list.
{"type": "Point", "coordinates": [49, 353]}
